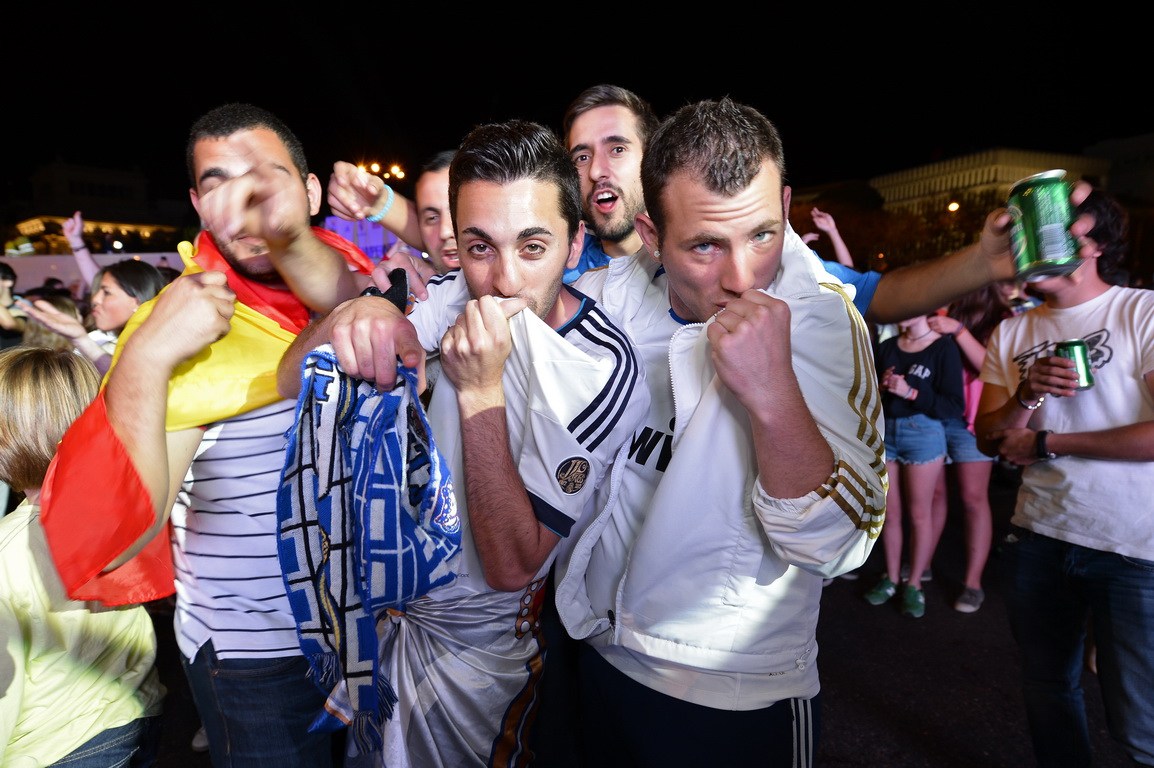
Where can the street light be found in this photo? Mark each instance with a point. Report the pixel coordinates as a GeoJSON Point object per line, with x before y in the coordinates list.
{"type": "Point", "coordinates": [395, 171]}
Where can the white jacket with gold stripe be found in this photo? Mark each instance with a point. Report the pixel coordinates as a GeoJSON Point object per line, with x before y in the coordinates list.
{"type": "Point", "coordinates": [690, 569]}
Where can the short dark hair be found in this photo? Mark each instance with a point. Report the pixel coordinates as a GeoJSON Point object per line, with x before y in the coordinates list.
{"type": "Point", "coordinates": [723, 143]}
{"type": "Point", "coordinates": [6, 272]}
{"type": "Point", "coordinates": [228, 119]}
{"type": "Point", "coordinates": [605, 95]}
{"type": "Point", "coordinates": [517, 149]}
{"type": "Point", "coordinates": [1110, 233]}
{"type": "Point", "coordinates": [439, 161]}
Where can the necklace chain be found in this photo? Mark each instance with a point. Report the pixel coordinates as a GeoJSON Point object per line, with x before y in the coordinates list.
{"type": "Point", "coordinates": [915, 338]}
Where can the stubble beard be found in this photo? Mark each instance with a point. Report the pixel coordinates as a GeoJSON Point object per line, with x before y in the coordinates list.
{"type": "Point", "coordinates": [613, 230]}
{"type": "Point", "coordinates": [267, 276]}
{"type": "Point", "coordinates": [621, 225]}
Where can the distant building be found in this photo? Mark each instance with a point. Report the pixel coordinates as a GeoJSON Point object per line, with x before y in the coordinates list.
{"type": "Point", "coordinates": [931, 187]}
{"type": "Point", "coordinates": [1123, 167]}
{"type": "Point", "coordinates": [116, 205]}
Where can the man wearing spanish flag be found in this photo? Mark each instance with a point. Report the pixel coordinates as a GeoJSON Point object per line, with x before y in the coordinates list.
{"type": "Point", "coordinates": [189, 421]}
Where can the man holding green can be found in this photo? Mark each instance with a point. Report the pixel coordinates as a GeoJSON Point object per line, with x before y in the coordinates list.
{"type": "Point", "coordinates": [1080, 552]}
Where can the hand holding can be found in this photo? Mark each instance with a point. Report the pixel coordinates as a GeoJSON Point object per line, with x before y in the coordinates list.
{"type": "Point", "coordinates": [1078, 351]}
{"type": "Point", "coordinates": [1040, 231]}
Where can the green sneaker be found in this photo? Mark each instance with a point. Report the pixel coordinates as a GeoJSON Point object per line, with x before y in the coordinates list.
{"type": "Point", "coordinates": [881, 592]}
{"type": "Point", "coordinates": [913, 602]}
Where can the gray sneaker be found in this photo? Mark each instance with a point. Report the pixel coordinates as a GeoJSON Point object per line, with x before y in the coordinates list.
{"type": "Point", "coordinates": [199, 741]}
{"type": "Point", "coordinates": [970, 600]}
{"type": "Point", "coordinates": [927, 574]}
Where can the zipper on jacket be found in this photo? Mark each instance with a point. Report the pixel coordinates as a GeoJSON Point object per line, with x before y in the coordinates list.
{"type": "Point", "coordinates": [669, 357]}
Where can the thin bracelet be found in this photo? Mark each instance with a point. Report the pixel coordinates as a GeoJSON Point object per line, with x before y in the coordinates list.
{"type": "Point", "coordinates": [1021, 402]}
{"type": "Point", "coordinates": [81, 247]}
{"type": "Point", "coordinates": [388, 204]}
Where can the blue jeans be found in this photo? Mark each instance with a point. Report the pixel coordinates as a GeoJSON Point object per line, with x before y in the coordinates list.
{"type": "Point", "coordinates": [257, 712]}
{"type": "Point", "coordinates": [133, 745]}
{"type": "Point", "coordinates": [1054, 590]}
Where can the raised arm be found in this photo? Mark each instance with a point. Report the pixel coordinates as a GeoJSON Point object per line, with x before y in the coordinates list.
{"type": "Point", "coordinates": [11, 316]}
{"type": "Point", "coordinates": [825, 223]}
{"type": "Point", "coordinates": [919, 289]}
{"type": "Point", "coordinates": [973, 351]}
{"type": "Point", "coordinates": [73, 228]}
{"type": "Point", "coordinates": [355, 194]}
{"type": "Point", "coordinates": [269, 202]}
{"type": "Point", "coordinates": [191, 314]}
{"type": "Point", "coordinates": [70, 328]}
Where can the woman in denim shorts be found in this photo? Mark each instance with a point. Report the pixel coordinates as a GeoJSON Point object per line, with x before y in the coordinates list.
{"type": "Point", "coordinates": [920, 372]}
{"type": "Point", "coordinates": [970, 321]}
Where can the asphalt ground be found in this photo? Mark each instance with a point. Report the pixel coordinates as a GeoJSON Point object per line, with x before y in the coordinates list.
{"type": "Point", "coordinates": [936, 692]}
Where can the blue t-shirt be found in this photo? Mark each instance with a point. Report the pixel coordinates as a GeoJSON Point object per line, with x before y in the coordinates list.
{"type": "Point", "coordinates": [866, 283]}
{"type": "Point", "coordinates": [591, 257]}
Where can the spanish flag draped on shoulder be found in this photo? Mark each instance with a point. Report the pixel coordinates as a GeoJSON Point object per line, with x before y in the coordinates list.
{"type": "Point", "coordinates": [93, 503]}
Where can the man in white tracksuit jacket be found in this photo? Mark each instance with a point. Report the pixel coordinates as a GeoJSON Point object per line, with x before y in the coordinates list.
{"type": "Point", "coordinates": [759, 471]}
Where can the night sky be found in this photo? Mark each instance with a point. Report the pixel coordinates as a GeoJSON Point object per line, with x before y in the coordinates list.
{"type": "Point", "coordinates": [844, 112]}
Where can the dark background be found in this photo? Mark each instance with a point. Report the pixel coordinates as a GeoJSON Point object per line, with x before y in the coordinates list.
{"type": "Point", "coordinates": [393, 83]}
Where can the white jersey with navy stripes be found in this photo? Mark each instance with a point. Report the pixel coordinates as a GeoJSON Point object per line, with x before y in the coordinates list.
{"type": "Point", "coordinates": [573, 397]}
{"type": "Point", "coordinates": [465, 660]}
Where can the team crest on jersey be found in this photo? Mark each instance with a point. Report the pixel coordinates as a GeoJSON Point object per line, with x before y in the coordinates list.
{"type": "Point", "coordinates": [572, 473]}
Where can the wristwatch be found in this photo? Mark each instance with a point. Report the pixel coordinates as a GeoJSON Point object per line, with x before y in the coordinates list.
{"type": "Point", "coordinates": [1040, 449]}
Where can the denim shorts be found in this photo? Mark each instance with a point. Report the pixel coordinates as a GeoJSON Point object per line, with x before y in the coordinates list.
{"type": "Point", "coordinates": [916, 439]}
{"type": "Point", "coordinates": [961, 444]}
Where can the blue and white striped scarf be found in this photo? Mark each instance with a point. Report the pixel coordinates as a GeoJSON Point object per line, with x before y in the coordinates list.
{"type": "Point", "coordinates": [367, 521]}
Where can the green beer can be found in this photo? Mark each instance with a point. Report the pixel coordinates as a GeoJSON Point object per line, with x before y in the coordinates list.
{"type": "Point", "coordinates": [1040, 232]}
{"type": "Point", "coordinates": [1078, 351]}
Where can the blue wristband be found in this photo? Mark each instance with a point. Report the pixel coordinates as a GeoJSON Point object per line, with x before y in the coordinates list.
{"type": "Point", "coordinates": [388, 204]}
